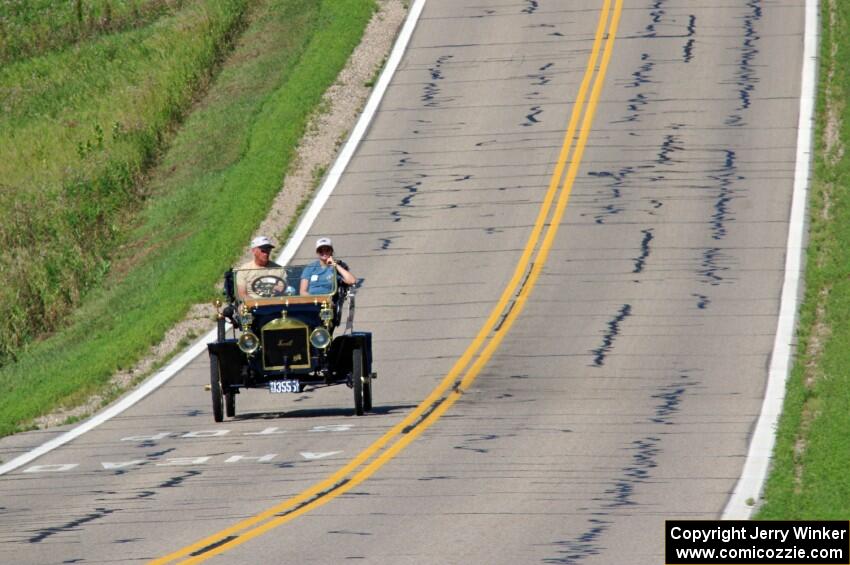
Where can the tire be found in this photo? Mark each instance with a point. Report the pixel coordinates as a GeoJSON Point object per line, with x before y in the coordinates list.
{"type": "Point", "coordinates": [230, 404]}
{"type": "Point", "coordinates": [357, 380]}
{"type": "Point", "coordinates": [367, 393]}
{"type": "Point", "coordinates": [215, 389]}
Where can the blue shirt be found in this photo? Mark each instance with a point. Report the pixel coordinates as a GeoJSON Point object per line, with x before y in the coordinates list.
{"type": "Point", "coordinates": [320, 279]}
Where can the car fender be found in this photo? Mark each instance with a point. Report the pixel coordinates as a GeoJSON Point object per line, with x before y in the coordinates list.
{"type": "Point", "coordinates": [230, 359]}
{"type": "Point", "coordinates": [341, 348]}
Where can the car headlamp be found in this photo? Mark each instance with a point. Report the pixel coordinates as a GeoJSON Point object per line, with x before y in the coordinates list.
{"type": "Point", "coordinates": [320, 338]}
{"type": "Point", "coordinates": [248, 343]}
{"type": "Point", "coordinates": [326, 314]}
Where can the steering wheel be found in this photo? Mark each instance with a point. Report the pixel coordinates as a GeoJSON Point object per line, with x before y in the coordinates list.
{"type": "Point", "coordinates": [268, 286]}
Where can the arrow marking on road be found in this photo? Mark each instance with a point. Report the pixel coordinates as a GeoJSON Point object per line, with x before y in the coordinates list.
{"type": "Point", "coordinates": [310, 456]}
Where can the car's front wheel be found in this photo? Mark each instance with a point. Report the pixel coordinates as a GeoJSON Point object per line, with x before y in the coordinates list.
{"type": "Point", "coordinates": [367, 392]}
{"type": "Point", "coordinates": [215, 388]}
{"type": "Point", "coordinates": [357, 381]}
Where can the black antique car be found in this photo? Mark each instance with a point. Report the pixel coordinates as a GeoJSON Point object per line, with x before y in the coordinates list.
{"type": "Point", "coordinates": [284, 342]}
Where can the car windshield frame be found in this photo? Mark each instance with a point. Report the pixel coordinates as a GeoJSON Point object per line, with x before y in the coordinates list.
{"type": "Point", "coordinates": [273, 285]}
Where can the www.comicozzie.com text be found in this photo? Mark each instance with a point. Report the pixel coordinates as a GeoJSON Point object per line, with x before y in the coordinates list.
{"type": "Point", "coordinates": [756, 532]}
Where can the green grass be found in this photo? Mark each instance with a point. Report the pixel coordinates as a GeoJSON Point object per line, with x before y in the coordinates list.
{"type": "Point", "coordinates": [81, 127]}
{"type": "Point", "coordinates": [34, 27]}
{"type": "Point", "coordinates": [206, 197]}
{"type": "Point", "coordinates": [809, 478]}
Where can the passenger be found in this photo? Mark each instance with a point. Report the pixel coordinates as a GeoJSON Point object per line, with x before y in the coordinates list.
{"type": "Point", "coordinates": [261, 248]}
{"type": "Point", "coordinates": [318, 276]}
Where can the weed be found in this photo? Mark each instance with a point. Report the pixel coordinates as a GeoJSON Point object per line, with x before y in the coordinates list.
{"type": "Point", "coordinates": [376, 75]}
{"type": "Point", "coordinates": [318, 174]}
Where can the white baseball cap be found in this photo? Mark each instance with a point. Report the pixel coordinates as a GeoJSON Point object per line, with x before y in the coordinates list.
{"type": "Point", "coordinates": [324, 241]}
{"type": "Point", "coordinates": [261, 241]}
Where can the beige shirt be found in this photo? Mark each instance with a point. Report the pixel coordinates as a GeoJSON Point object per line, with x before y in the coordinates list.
{"type": "Point", "coordinates": [249, 273]}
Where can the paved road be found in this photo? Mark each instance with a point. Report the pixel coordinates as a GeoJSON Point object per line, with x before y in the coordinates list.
{"type": "Point", "coordinates": [624, 391]}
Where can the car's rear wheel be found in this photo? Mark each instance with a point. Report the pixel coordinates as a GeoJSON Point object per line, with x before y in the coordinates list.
{"type": "Point", "coordinates": [215, 388]}
{"type": "Point", "coordinates": [230, 404]}
{"type": "Point", "coordinates": [357, 380]}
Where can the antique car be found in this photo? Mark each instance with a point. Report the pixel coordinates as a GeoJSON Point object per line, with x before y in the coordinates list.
{"type": "Point", "coordinates": [284, 342]}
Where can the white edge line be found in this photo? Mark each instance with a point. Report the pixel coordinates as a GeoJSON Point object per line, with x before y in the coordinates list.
{"type": "Point", "coordinates": [285, 256]}
{"type": "Point", "coordinates": [357, 134]}
{"type": "Point", "coordinates": [757, 464]}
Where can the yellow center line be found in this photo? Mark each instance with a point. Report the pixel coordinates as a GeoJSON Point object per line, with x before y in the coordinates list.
{"type": "Point", "coordinates": [437, 401]}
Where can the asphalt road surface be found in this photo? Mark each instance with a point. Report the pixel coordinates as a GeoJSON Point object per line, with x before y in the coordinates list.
{"type": "Point", "coordinates": [599, 194]}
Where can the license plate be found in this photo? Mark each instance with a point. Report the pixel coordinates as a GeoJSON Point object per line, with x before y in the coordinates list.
{"type": "Point", "coordinates": [284, 386]}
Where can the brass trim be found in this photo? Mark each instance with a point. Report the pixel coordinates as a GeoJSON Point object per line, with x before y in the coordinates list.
{"type": "Point", "coordinates": [284, 324]}
{"type": "Point", "coordinates": [286, 301]}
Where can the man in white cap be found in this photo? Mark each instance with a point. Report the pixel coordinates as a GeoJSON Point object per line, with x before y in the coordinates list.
{"type": "Point", "coordinates": [261, 248]}
{"type": "Point", "coordinates": [318, 276]}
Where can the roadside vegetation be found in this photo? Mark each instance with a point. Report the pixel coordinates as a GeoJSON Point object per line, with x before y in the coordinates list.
{"type": "Point", "coordinates": [33, 27]}
{"type": "Point", "coordinates": [81, 126]}
{"type": "Point", "coordinates": [809, 479]}
{"type": "Point", "coordinates": [193, 212]}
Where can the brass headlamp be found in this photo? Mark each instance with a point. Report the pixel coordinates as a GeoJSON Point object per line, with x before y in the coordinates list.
{"type": "Point", "coordinates": [248, 343]}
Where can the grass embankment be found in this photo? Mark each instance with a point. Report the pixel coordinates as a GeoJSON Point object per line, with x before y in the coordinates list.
{"type": "Point", "coordinates": [81, 126]}
{"type": "Point", "coordinates": [32, 27]}
{"type": "Point", "coordinates": [209, 193]}
{"type": "Point", "coordinates": [809, 479]}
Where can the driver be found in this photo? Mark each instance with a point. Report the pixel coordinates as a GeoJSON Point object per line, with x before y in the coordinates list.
{"type": "Point", "coordinates": [317, 277]}
{"type": "Point", "coordinates": [261, 248]}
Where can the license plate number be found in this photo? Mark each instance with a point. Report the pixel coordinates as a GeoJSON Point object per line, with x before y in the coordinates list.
{"type": "Point", "coordinates": [284, 386]}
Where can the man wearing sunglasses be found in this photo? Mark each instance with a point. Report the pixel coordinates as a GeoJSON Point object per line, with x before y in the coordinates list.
{"type": "Point", "coordinates": [261, 249]}
{"type": "Point", "coordinates": [318, 276]}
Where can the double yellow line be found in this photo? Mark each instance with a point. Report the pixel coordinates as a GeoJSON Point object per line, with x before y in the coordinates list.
{"type": "Point", "coordinates": [486, 342]}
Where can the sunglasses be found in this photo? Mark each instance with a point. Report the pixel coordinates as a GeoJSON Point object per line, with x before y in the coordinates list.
{"type": "Point", "coordinates": [266, 249]}
{"type": "Point", "coordinates": [323, 250]}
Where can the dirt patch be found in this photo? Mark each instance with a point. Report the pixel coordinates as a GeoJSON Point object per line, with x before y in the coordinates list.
{"type": "Point", "coordinates": [326, 132]}
{"type": "Point", "coordinates": [819, 336]}
{"type": "Point", "coordinates": [834, 107]}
